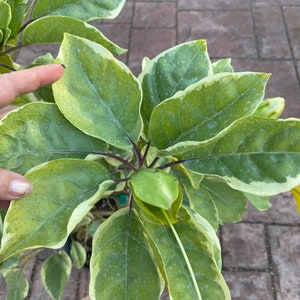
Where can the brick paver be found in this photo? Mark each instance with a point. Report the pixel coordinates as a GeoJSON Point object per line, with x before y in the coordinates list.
{"type": "Point", "coordinates": [261, 254]}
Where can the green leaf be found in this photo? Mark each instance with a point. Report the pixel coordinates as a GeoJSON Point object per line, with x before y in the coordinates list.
{"type": "Point", "coordinates": [270, 108]}
{"type": "Point", "coordinates": [78, 254]}
{"type": "Point", "coordinates": [201, 246]}
{"type": "Point", "coordinates": [259, 202]}
{"type": "Point", "coordinates": [222, 65]}
{"type": "Point", "coordinates": [55, 274]}
{"type": "Point", "coordinates": [63, 193]}
{"type": "Point", "coordinates": [18, 9]}
{"type": "Point", "coordinates": [80, 9]}
{"type": "Point", "coordinates": [254, 155]}
{"type": "Point", "coordinates": [121, 264]}
{"type": "Point", "coordinates": [7, 64]}
{"type": "Point", "coordinates": [230, 203]}
{"type": "Point", "coordinates": [206, 108]}
{"type": "Point", "coordinates": [105, 101]}
{"type": "Point", "coordinates": [51, 29]}
{"type": "Point", "coordinates": [171, 71]}
{"type": "Point", "coordinates": [155, 187]}
{"type": "Point", "coordinates": [38, 132]}
{"type": "Point", "coordinates": [5, 18]}
{"type": "Point", "coordinates": [17, 284]}
{"type": "Point", "coordinates": [201, 202]}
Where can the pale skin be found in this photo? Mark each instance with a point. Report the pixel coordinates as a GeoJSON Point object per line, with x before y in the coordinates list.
{"type": "Point", "coordinates": [14, 186]}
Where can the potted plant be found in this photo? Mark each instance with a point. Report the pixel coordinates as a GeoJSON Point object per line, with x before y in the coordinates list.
{"type": "Point", "coordinates": [184, 144]}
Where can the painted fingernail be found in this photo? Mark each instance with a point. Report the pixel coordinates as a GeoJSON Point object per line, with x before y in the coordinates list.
{"type": "Point", "coordinates": [19, 187]}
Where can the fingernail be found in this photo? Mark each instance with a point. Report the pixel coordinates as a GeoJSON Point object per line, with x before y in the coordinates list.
{"type": "Point", "coordinates": [19, 187]}
{"type": "Point", "coordinates": [63, 66]}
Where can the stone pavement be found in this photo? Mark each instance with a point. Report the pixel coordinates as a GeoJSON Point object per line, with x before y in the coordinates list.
{"type": "Point", "coordinates": [261, 254]}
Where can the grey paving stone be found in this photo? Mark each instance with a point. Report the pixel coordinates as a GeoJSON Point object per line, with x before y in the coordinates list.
{"type": "Point", "coordinates": [214, 4]}
{"type": "Point", "coordinates": [285, 250]}
{"type": "Point", "coordinates": [283, 211]}
{"type": "Point", "coordinates": [229, 33]}
{"type": "Point", "coordinates": [249, 285]}
{"type": "Point", "coordinates": [154, 14]}
{"type": "Point", "coordinates": [142, 44]}
{"type": "Point", "coordinates": [292, 19]}
{"type": "Point", "coordinates": [270, 32]}
{"type": "Point", "coordinates": [283, 82]}
{"type": "Point", "coordinates": [244, 246]}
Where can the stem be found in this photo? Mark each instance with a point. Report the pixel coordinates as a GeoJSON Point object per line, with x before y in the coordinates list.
{"type": "Point", "coordinates": [146, 152]}
{"type": "Point", "coordinates": [187, 261]}
{"type": "Point", "coordinates": [12, 49]}
{"type": "Point", "coordinates": [7, 67]}
{"type": "Point", "coordinates": [155, 160]}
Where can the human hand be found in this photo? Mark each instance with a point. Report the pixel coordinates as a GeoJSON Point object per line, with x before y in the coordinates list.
{"type": "Point", "coordinates": [13, 185]}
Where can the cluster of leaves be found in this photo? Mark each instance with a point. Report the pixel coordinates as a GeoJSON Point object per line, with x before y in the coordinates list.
{"type": "Point", "coordinates": [25, 22]}
{"type": "Point", "coordinates": [187, 141]}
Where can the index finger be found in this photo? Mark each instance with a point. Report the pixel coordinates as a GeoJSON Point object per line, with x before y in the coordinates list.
{"type": "Point", "coordinates": [25, 81]}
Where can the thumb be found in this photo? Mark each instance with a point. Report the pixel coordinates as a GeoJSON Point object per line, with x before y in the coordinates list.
{"type": "Point", "coordinates": [13, 185]}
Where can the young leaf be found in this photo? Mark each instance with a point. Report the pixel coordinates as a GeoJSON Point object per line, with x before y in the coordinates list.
{"type": "Point", "coordinates": [155, 187]}
{"type": "Point", "coordinates": [17, 284]}
{"type": "Point", "coordinates": [85, 10]}
{"type": "Point", "coordinates": [194, 246]}
{"type": "Point", "coordinates": [171, 71]}
{"type": "Point", "coordinates": [222, 65]}
{"type": "Point", "coordinates": [51, 29]}
{"type": "Point", "coordinates": [38, 132]}
{"type": "Point", "coordinates": [105, 101]}
{"type": "Point", "coordinates": [206, 108]}
{"type": "Point", "coordinates": [254, 155]}
{"type": "Point", "coordinates": [121, 264]}
{"type": "Point", "coordinates": [55, 274]}
{"type": "Point", "coordinates": [270, 108]}
{"type": "Point", "coordinates": [78, 254]}
{"type": "Point", "coordinates": [63, 192]}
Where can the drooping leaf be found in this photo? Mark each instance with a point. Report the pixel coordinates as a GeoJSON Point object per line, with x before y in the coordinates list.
{"type": "Point", "coordinates": [230, 203]}
{"type": "Point", "coordinates": [78, 254]}
{"type": "Point", "coordinates": [55, 274]}
{"type": "Point", "coordinates": [202, 203]}
{"type": "Point", "coordinates": [259, 202]}
{"type": "Point", "coordinates": [202, 249]}
{"type": "Point", "coordinates": [171, 71]}
{"type": "Point", "coordinates": [222, 65]}
{"type": "Point", "coordinates": [37, 133]}
{"type": "Point", "coordinates": [17, 284]}
{"type": "Point", "coordinates": [80, 9]}
{"type": "Point", "coordinates": [296, 193]}
{"type": "Point", "coordinates": [64, 191]}
{"type": "Point", "coordinates": [105, 101]}
{"type": "Point", "coordinates": [270, 108]}
{"type": "Point", "coordinates": [121, 263]}
{"type": "Point", "coordinates": [51, 29]}
{"type": "Point", "coordinates": [254, 155]}
{"type": "Point", "coordinates": [10, 264]}
{"type": "Point", "coordinates": [206, 108]}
